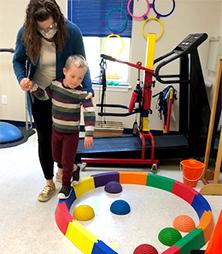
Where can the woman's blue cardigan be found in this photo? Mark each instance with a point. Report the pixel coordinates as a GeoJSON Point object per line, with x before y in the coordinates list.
{"type": "Point", "coordinates": [73, 45]}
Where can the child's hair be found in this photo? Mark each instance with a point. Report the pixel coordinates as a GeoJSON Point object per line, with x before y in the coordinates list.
{"type": "Point", "coordinates": [78, 60]}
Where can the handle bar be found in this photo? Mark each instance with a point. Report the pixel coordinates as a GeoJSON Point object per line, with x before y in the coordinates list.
{"type": "Point", "coordinates": [7, 50]}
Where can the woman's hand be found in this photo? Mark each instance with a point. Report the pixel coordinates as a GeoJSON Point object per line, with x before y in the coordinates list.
{"type": "Point", "coordinates": [26, 84]}
{"type": "Point", "coordinates": [89, 96]}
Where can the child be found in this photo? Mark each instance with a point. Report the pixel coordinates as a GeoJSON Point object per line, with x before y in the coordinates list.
{"type": "Point", "coordinates": [67, 96]}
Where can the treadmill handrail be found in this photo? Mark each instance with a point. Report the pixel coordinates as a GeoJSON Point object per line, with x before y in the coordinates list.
{"type": "Point", "coordinates": [187, 46]}
{"type": "Point", "coordinates": [165, 62]}
{"type": "Point", "coordinates": [163, 56]}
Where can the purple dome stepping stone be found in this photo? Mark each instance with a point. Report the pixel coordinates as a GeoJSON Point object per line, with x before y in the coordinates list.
{"type": "Point", "coordinates": [113, 187]}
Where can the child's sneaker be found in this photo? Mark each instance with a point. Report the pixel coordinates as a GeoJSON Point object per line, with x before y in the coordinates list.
{"type": "Point", "coordinates": [65, 192]}
{"type": "Point", "coordinates": [75, 175]}
{"type": "Point", "coordinates": [82, 165]}
{"type": "Point", "coordinates": [47, 192]}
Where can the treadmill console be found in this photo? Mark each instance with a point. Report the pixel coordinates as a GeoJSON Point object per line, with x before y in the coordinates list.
{"type": "Point", "coordinates": [191, 42]}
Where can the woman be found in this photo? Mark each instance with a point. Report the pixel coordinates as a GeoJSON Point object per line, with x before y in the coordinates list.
{"type": "Point", "coordinates": [43, 44]}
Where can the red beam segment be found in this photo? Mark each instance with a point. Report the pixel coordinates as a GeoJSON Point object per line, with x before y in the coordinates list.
{"type": "Point", "coordinates": [183, 191]}
{"type": "Point", "coordinates": [63, 217]}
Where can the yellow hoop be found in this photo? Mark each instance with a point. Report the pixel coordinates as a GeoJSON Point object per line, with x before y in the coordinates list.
{"type": "Point", "coordinates": [157, 20]}
{"type": "Point", "coordinates": [105, 41]}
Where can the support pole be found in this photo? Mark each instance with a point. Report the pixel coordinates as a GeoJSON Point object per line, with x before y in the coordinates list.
{"type": "Point", "coordinates": [213, 188]}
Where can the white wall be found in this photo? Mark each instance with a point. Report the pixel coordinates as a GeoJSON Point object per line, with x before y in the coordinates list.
{"type": "Point", "coordinates": [190, 16]}
{"type": "Point", "coordinates": [12, 16]}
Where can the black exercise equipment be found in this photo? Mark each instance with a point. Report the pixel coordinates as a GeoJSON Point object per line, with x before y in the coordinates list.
{"type": "Point", "coordinates": [194, 111]}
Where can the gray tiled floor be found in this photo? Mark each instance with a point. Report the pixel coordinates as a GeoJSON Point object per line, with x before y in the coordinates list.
{"type": "Point", "coordinates": [28, 226]}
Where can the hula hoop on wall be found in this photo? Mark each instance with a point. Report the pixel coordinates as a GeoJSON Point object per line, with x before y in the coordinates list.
{"type": "Point", "coordinates": [105, 41]}
{"type": "Point", "coordinates": [138, 17]}
{"type": "Point", "coordinates": [157, 20]}
{"type": "Point", "coordinates": [163, 15]}
{"type": "Point", "coordinates": [124, 25]}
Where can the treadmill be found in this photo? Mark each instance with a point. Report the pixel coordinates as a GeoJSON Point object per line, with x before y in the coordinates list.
{"type": "Point", "coordinates": [194, 114]}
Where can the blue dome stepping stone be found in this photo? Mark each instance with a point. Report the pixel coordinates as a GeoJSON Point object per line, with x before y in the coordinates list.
{"type": "Point", "coordinates": [120, 207]}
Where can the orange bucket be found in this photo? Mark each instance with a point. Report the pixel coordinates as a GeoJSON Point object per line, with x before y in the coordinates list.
{"type": "Point", "coordinates": [192, 171]}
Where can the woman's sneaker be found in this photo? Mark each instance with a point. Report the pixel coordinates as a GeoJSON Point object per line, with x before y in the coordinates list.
{"type": "Point", "coordinates": [58, 177]}
{"type": "Point", "coordinates": [65, 192]}
{"type": "Point", "coordinates": [47, 192]}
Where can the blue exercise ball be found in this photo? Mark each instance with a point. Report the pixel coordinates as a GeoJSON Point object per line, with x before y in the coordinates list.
{"type": "Point", "coordinates": [9, 133]}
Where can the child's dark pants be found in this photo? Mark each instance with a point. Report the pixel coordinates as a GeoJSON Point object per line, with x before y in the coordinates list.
{"type": "Point", "coordinates": [64, 147]}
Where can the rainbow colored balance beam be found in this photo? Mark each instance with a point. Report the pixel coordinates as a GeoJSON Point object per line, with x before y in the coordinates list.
{"type": "Point", "coordinates": [90, 244]}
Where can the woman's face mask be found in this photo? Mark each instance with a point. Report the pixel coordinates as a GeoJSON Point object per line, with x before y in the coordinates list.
{"type": "Point", "coordinates": [47, 28]}
{"type": "Point", "coordinates": [49, 34]}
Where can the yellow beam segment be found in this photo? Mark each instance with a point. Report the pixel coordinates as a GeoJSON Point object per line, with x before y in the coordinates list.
{"type": "Point", "coordinates": [84, 186]}
{"type": "Point", "coordinates": [81, 237]}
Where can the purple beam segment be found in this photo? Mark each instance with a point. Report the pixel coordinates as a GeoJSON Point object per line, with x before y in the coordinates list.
{"type": "Point", "coordinates": [103, 178]}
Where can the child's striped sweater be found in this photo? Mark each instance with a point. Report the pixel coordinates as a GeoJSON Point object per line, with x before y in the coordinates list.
{"type": "Point", "coordinates": [66, 107]}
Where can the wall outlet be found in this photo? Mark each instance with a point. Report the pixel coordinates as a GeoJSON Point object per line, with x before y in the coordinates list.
{"type": "Point", "coordinates": [4, 99]}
